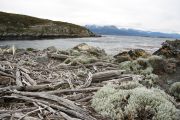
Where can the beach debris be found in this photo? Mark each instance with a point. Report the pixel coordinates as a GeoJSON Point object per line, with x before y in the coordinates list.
{"type": "Point", "coordinates": [61, 84]}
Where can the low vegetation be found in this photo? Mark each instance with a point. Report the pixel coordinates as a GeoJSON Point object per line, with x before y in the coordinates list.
{"type": "Point", "coordinates": [175, 90]}
{"type": "Point", "coordinates": [135, 103]}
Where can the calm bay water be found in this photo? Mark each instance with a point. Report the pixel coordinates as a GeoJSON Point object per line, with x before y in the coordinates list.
{"type": "Point", "coordinates": [111, 44]}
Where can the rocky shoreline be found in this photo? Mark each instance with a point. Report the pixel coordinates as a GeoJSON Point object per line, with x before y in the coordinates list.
{"type": "Point", "coordinates": [85, 83]}
{"type": "Point", "coordinates": [40, 37]}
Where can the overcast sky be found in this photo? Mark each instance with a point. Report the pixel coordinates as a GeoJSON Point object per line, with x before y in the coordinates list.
{"type": "Point", "coordinates": [154, 15]}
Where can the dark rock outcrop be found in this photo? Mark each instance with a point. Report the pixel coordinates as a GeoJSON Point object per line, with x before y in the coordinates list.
{"type": "Point", "coordinates": [169, 49]}
{"type": "Point", "coordinates": [130, 55]}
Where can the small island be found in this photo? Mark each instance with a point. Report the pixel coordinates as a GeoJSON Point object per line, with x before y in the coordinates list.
{"type": "Point", "coordinates": [22, 27]}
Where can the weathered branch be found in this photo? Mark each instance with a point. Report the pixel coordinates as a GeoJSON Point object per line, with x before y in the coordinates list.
{"type": "Point", "coordinates": [74, 90]}
{"type": "Point", "coordinates": [107, 75]}
{"type": "Point", "coordinates": [18, 78]}
{"type": "Point", "coordinates": [58, 56]}
{"type": "Point", "coordinates": [30, 80]}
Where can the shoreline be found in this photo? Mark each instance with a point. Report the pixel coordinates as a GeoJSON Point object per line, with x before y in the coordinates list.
{"type": "Point", "coordinates": [67, 81]}
{"type": "Point", "coordinates": [40, 37]}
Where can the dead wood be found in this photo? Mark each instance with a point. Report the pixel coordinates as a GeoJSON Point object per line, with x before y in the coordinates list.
{"type": "Point", "coordinates": [30, 80]}
{"type": "Point", "coordinates": [18, 110]}
{"type": "Point", "coordinates": [58, 56]}
{"type": "Point", "coordinates": [55, 86]}
{"type": "Point", "coordinates": [85, 90]}
{"type": "Point", "coordinates": [118, 81]}
{"type": "Point", "coordinates": [65, 102]}
{"type": "Point", "coordinates": [107, 75]}
{"type": "Point", "coordinates": [6, 74]}
{"type": "Point", "coordinates": [29, 113]}
{"type": "Point", "coordinates": [18, 78]}
{"type": "Point", "coordinates": [81, 115]}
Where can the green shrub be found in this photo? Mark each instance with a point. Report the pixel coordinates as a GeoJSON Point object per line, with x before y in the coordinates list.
{"type": "Point", "coordinates": [139, 103]}
{"type": "Point", "coordinates": [129, 85]}
{"type": "Point", "coordinates": [141, 66]}
{"type": "Point", "coordinates": [30, 49]}
{"type": "Point", "coordinates": [175, 90]}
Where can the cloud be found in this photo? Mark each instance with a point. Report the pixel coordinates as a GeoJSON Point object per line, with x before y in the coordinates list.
{"type": "Point", "coordinates": [158, 15]}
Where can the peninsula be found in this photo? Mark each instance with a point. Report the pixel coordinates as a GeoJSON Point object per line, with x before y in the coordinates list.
{"type": "Point", "coordinates": [23, 27]}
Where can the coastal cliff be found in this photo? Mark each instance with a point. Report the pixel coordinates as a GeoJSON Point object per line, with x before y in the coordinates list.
{"type": "Point", "coordinates": [15, 27]}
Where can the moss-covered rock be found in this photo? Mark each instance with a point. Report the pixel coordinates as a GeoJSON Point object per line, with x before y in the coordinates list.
{"type": "Point", "coordinates": [139, 103]}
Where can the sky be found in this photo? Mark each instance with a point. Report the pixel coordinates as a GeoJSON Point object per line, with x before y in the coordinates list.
{"type": "Point", "coordinates": [150, 15]}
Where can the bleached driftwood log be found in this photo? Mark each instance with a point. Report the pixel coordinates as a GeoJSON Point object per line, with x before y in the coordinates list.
{"type": "Point", "coordinates": [30, 80]}
{"type": "Point", "coordinates": [58, 56]}
{"type": "Point", "coordinates": [18, 78]}
{"type": "Point", "coordinates": [107, 75]}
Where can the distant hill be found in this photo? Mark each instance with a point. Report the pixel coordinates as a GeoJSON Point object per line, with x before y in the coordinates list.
{"type": "Point", "coordinates": [15, 26]}
{"type": "Point", "coordinates": [113, 30]}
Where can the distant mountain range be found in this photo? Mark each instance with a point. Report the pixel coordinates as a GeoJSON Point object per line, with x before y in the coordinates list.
{"type": "Point", "coordinates": [113, 30]}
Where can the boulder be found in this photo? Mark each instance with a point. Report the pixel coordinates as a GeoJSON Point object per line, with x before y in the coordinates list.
{"type": "Point", "coordinates": [169, 49]}
{"type": "Point", "coordinates": [130, 55]}
{"type": "Point", "coordinates": [136, 53]}
{"type": "Point", "coordinates": [85, 48]}
{"type": "Point", "coordinates": [51, 49]}
{"type": "Point", "coordinates": [121, 57]}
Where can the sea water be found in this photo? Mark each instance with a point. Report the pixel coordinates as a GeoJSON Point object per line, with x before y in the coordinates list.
{"type": "Point", "coordinates": [111, 44]}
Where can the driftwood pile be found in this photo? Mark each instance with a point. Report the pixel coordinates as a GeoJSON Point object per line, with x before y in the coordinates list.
{"type": "Point", "coordinates": [38, 84]}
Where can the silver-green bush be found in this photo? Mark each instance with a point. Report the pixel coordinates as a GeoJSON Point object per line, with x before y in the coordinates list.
{"type": "Point", "coordinates": [129, 85]}
{"type": "Point", "coordinates": [134, 104]}
{"type": "Point", "coordinates": [175, 90]}
{"type": "Point", "coordinates": [142, 66]}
